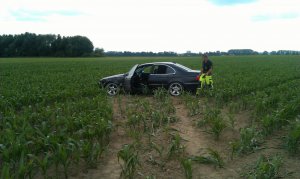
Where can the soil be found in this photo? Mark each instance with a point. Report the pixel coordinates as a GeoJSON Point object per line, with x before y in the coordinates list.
{"type": "Point", "coordinates": [196, 142]}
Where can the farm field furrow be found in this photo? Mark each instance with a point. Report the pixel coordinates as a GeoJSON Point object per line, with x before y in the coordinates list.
{"type": "Point", "coordinates": [55, 122]}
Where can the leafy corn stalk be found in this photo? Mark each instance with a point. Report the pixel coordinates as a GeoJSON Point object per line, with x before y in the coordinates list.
{"type": "Point", "coordinates": [129, 155]}
{"type": "Point", "coordinates": [292, 140]}
{"type": "Point", "coordinates": [175, 147]}
{"type": "Point", "coordinates": [250, 140]}
{"type": "Point", "coordinates": [213, 157]}
{"type": "Point", "coordinates": [266, 167]}
{"type": "Point", "coordinates": [187, 166]}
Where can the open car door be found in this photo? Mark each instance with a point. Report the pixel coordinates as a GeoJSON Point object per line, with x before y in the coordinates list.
{"type": "Point", "coordinates": [127, 82]}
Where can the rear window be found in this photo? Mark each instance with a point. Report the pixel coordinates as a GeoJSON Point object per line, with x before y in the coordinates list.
{"type": "Point", "coordinates": [183, 67]}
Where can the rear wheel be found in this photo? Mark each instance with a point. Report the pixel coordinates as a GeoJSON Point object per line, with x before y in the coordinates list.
{"type": "Point", "coordinates": [112, 89]}
{"type": "Point", "coordinates": [175, 89]}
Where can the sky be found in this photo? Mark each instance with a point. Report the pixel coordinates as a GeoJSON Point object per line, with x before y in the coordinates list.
{"type": "Point", "coordinates": [161, 25]}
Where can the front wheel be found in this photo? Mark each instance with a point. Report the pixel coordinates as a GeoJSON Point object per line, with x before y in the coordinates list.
{"type": "Point", "coordinates": [175, 89]}
{"type": "Point", "coordinates": [112, 89]}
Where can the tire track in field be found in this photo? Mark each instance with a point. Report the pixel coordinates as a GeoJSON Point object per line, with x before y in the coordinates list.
{"type": "Point", "coordinates": [196, 143]}
{"type": "Point", "coordinates": [194, 140]}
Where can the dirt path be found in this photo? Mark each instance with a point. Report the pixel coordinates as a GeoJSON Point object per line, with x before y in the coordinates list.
{"type": "Point", "coordinates": [109, 167]}
{"type": "Point", "coordinates": [195, 140]}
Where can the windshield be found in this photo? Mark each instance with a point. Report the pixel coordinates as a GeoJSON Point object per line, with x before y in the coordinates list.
{"type": "Point", "coordinates": [131, 71]}
{"type": "Point", "coordinates": [184, 67]}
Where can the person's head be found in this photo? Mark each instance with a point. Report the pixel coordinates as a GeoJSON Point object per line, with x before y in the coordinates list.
{"type": "Point", "coordinates": [205, 57]}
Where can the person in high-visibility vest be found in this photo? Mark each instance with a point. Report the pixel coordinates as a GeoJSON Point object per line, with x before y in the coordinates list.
{"type": "Point", "coordinates": [206, 72]}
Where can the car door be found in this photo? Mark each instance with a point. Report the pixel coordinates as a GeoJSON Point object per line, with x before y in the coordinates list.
{"type": "Point", "coordinates": [128, 77]}
{"type": "Point", "coordinates": [161, 76]}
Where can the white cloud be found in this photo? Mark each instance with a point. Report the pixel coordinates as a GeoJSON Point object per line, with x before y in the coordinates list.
{"type": "Point", "coordinates": [155, 25]}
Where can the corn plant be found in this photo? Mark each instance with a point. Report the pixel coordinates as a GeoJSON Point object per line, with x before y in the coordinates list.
{"type": "Point", "coordinates": [232, 120]}
{"type": "Point", "coordinates": [234, 107]}
{"type": "Point", "coordinates": [5, 172]}
{"type": "Point", "coordinates": [250, 140]}
{"type": "Point", "coordinates": [64, 155]}
{"type": "Point", "coordinates": [176, 147]}
{"type": "Point", "coordinates": [129, 155]}
{"type": "Point", "coordinates": [213, 120]}
{"type": "Point", "coordinates": [25, 166]}
{"type": "Point", "coordinates": [268, 124]}
{"type": "Point", "coordinates": [217, 125]}
{"type": "Point", "coordinates": [158, 149]}
{"type": "Point", "coordinates": [213, 157]}
{"type": "Point", "coordinates": [187, 167]}
{"type": "Point", "coordinates": [91, 152]}
{"type": "Point", "coordinates": [292, 140]}
{"type": "Point", "coordinates": [265, 168]}
{"type": "Point", "coordinates": [209, 115]}
{"type": "Point", "coordinates": [161, 94]}
{"type": "Point", "coordinates": [163, 101]}
{"type": "Point", "coordinates": [150, 177]}
{"type": "Point", "coordinates": [43, 162]}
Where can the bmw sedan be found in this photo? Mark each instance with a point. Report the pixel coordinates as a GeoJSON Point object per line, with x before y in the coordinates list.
{"type": "Point", "coordinates": [172, 76]}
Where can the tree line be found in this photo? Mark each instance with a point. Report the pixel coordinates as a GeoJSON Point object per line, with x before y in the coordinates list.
{"type": "Point", "coordinates": [192, 54]}
{"type": "Point", "coordinates": [49, 45]}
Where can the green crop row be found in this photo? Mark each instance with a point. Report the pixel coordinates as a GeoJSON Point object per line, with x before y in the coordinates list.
{"type": "Point", "coordinates": [39, 138]}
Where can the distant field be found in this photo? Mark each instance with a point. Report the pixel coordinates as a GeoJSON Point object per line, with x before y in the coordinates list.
{"type": "Point", "coordinates": [53, 116]}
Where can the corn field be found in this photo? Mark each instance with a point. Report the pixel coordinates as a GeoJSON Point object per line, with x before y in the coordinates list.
{"type": "Point", "coordinates": [55, 122]}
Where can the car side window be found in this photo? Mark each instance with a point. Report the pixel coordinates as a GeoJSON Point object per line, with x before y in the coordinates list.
{"type": "Point", "coordinates": [162, 69]}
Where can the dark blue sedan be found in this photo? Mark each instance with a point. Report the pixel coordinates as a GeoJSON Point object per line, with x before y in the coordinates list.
{"type": "Point", "coordinates": [172, 76]}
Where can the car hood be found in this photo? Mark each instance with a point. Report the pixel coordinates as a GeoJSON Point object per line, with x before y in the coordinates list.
{"type": "Point", "coordinates": [114, 76]}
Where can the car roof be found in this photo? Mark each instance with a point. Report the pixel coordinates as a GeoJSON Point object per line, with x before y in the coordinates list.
{"type": "Point", "coordinates": [153, 63]}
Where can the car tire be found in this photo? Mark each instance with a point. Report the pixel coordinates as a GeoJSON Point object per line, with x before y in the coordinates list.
{"type": "Point", "coordinates": [175, 89]}
{"type": "Point", "coordinates": [112, 89]}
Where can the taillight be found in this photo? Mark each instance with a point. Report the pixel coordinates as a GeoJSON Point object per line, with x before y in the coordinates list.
{"type": "Point", "coordinates": [197, 77]}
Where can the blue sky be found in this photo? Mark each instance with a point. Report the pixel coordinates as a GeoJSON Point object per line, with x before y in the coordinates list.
{"type": "Point", "coordinates": [36, 15]}
{"type": "Point", "coordinates": [283, 16]}
{"type": "Point", "coordinates": [161, 25]}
